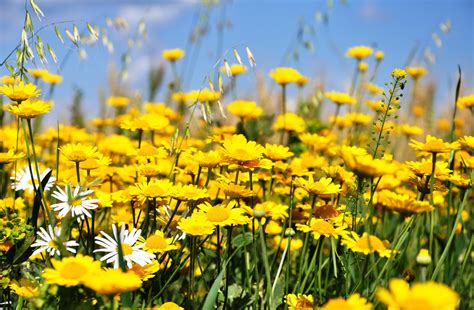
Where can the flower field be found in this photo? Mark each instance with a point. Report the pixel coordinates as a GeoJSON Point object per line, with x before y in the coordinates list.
{"type": "Point", "coordinates": [357, 197]}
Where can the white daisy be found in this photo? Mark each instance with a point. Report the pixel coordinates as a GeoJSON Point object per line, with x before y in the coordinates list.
{"type": "Point", "coordinates": [48, 241]}
{"type": "Point", "coordinates": [21, 180]}
{"type": "Point", "coordinates": [74, 202]}
{"type": "Point", "coordinates": [131, 251]}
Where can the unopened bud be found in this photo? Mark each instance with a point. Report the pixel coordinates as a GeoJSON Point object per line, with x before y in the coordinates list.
{"type": "Point", "coordinates": [423, 257]}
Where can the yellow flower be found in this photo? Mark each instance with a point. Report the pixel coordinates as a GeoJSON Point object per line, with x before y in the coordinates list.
{"type": "Point", "coordinates": [30, 109]}
{"type": "Point", "coordinates": [299, 302]}
{"type": "Point", "coordinates": [425, 167]}
{"type": "Point", "coordinates": [340, 98]}
{"type": "Point", "coordinates": [416, 72]}
{"type": "Point", "coordinates": [366, 244]}
{"type": "Point", "coordinates": [427, 296]}
{"type": "Point", "coordinates": [149, 152]}
{"type": "Point", "coordinates": [245, 109]}
{"type": "Point", "coordinates": [207, 159]}
{"type": "Point", "coordinates": [359, 118]}
{"type": "Point", "coordinates": [237, 150]}
{"type": "Point", "coordinates": [434, 145]}
{"type": "Point", "coordinates": [9, 80]}
{"type": "Point", "coordinates": [399, 73]}
{"type": "Point", "coordinates": [224, 214]}
{"type": "Point", "coordinates": [411, 130]}
{"type": "Point", "coordinates": [38, 73]}
{"type": "Point", "coordinates": [283, 75]}
{"type": "Point", "coordinates": [147, 271]}
{"type": "Point", "coordinates": [52, 78]}
{"type": "Point", "coordinates": [234, 191]}
{"type": "Point", "coordinates": [147, 122]}
{"type": "Point", "coordinates": [323, 188]}
{"type": "Point", "coordinates": [295, 245]}
{"type": "Point", "coordinates": [379, 55]}
{"type": "Point", "coordinates": [25, 288]}
{"type": "Point", "coordinates": [112, 281]}
{"type": "Point", "coordinates": [362, 66]}
{"type": "Point", "coordinates": [467, 143]}
{"type": "Point", "coordinates": [203, 95]}
{"type": "Point", "coordinates": [173, 54]}
{"type": "Point", "coordinates": [92, 163]}
{"type": "Point", "coordinates": [377, 106]}
{"type": "Point", "coordinates": [268, 209]}
{"type": "Point", "coordinates": [152, 190]}
{"type": "Point", "coordinates": [180, 97]}
{"type": "Point", "coordinates": [188, 192]}
{"type": "Point", "coordinates": [196, 225]}
{"type": "Point", "coordinates": [79, 152]}
{"type": "Point", "coordinates": [354, 302]}
{"type": "Point", "coordinates": [374, 89]}
{"type": "Point", "coordinates": [158, 243]}
{"type": "Point", "coordinates": [402, 203]}
{"type": "Point", "coordinates": [277, 152]}
{"type": "Point", "coordinates": [118, 101]}
{"type": "Point", "coordinates": [364, 164]}
{"type": "Point", "coordinates": [320, 227]}
{"type": "Point", "coordinates": [71, 271]}
{"type": "Point", "coordinates": [10, 156]}
{"type": "Point", "coordinates": [290, 122]}
{"type": "Point", "coordinates": [168, 306]}
{"type": "Point", "coordinates": [359, 52]}
{"type": "Point", "coordinates": [20, 92]}
{"type": "Point", "coordinates": [466, 102]}
{"type": "Point", "coordinates": [302, 81]}
{"type": "Point", "coordinates": [235, 69]}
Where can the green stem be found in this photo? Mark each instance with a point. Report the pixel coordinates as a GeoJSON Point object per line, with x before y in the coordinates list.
{"type": "Point", "coordinates": [265, 264]}
{"type": "Point", "coordinates": [451, 237]}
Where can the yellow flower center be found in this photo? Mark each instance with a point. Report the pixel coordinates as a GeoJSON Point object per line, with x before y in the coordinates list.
{"type": "Point", "coordinates": [77, 156]}
{"type": "Point", "coordinates": [435, 146]}
{"type": "Point", "coordinates": [73, 271]}
{"type": "Point", "coordinates": [52, 244]}
{"type": "Point", "coordinates": [76, 202]}
{"type": "Point", "coordinates": [126, 249]}
{"type": "Point", "coordinates": [153, 191]}
{"type": "Point", "coordinates": [218, 214]}
{"type": "Point", "coordinates": [156, 242]}
{"type": "Point", "coordinates": [304, 304]}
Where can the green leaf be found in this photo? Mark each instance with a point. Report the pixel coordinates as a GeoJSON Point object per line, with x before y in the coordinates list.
{"type": "Point", "coordinates": [242, 240]}
{"type": "Point", "coordinates": [211, 297]}
{"type": "Point", "coordinates": [38, 201]}
{"type": "Point", "coordinates": [22, 251]}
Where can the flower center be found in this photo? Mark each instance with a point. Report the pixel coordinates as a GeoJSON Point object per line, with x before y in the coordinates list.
{"type": "Point", "coordinates": [126, 249]}
{"type": "Point", "coordinates": [156, 242]}
{"type": "Point", "coordinates": [73, 271]}
{"type": "Point", "coordinates": [153, 191]}
{"type": "Point", "coordinates": [218, 214]}
{"type": "Point", "coordinates": [52, 244]}
{"type": "Point", "coordinates": [304, 304]}
{"type": "Point", "coordinates": [76, 203]}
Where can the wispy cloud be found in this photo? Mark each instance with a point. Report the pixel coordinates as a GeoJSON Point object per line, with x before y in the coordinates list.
{"type": "Point", "coordinates": [156, 13]}
{"type": "Point", "coordinates": [370, 11]}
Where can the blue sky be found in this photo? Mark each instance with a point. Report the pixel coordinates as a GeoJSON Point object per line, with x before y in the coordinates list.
{"type": "Point", "coordinates": [268, 28]}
